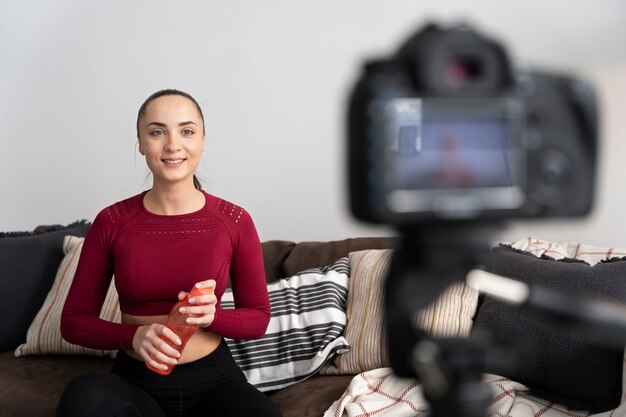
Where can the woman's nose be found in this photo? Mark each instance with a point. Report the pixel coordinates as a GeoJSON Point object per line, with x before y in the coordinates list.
{"type": "Point", "coordinates": [173, 143]}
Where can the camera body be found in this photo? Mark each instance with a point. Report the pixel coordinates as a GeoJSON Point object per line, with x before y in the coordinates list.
{"type": "Point", "coordinates": [445, 130]}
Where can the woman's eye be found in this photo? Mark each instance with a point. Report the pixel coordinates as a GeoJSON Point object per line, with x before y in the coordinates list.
{"type": "Point", "coordinates": [156, 133]}
{"type": "Point", "coordinates": [187, 132]}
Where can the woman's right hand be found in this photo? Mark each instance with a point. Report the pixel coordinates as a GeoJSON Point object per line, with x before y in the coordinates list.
{"type": "Point", "coordinates": [152, 349]}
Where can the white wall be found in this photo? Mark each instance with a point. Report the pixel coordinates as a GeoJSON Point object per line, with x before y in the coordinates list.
{"type": "Point", "coordinates": [272, 77]}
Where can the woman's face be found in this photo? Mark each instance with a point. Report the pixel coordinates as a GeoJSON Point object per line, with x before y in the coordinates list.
{"type": "Point", "coordinates": [171, 137]}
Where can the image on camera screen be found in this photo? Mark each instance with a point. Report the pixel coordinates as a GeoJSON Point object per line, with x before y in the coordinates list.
{"type": "Point", "coordinates": [452, 156]}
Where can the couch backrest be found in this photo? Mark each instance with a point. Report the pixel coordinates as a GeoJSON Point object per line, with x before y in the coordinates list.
{"type": "Point", "coordinates": [284, 258]}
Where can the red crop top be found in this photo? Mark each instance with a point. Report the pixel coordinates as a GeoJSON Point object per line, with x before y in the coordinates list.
{"type": "Point", "coordinates": [154, 257]}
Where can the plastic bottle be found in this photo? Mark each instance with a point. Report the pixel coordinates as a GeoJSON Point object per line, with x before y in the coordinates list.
{"type": "Point", "coordinates": [177, 322]}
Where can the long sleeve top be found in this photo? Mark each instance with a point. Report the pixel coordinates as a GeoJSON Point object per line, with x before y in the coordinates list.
{"type": "Point", "coordinates": [154, 257]}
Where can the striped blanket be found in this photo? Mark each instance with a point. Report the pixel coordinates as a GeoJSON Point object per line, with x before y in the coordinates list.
{"type": "Point", "coordinates": [305, 329]}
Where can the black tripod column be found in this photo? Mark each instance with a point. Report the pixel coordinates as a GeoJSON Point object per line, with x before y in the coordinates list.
{"type": "Point", "coordinates": [450, 370]}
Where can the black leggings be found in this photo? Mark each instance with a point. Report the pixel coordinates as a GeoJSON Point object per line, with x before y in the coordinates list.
{"type": "Point", "coordinates": [211, 386]}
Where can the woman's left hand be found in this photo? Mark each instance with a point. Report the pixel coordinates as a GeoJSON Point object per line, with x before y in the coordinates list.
{"type": "Point", "coordinates": [202, 311]}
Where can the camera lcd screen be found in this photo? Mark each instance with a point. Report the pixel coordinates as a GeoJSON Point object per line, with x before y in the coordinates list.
{"type": "Point", "coordinates": [453, 157]}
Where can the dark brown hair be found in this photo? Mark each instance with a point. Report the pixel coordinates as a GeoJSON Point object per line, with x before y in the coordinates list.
{"type": "Point", "coordinates": [171, 92]}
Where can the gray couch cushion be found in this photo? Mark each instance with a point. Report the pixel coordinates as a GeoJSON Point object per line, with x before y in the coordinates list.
{"type": "Point", "coordinates": [28, 265]}
{"type": "Point", "coordinates": [560, 361]}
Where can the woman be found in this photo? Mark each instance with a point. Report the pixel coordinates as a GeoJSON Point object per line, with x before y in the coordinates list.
{"type": "Point", "coordinates": [158, 245]}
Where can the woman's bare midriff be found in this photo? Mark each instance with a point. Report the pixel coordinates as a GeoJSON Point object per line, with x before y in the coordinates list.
{"type": "Point", "coordinates": [199, 345]}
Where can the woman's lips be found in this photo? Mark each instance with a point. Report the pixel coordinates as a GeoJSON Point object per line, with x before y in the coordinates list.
{"type": "Point", "coordinates": [173, 162]}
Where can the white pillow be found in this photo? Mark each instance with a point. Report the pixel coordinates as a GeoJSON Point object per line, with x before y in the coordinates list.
{"type": "Point", "coordinates": [450, 314]}
{"type": "Point", "coordinates": [44, 334]}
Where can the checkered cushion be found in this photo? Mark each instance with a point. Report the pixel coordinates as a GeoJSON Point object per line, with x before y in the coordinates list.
{"type": "Point", "coordinates": [379, 393]}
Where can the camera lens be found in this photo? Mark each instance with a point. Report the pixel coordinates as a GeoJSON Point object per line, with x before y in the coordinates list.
{"type": "Point", "coordinates": [462, 70]}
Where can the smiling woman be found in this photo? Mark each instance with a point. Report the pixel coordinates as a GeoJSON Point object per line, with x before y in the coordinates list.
{"type": "Point", "coordinates": [173, 94]}
{"type": "Point", "coordinates": [159, 244]}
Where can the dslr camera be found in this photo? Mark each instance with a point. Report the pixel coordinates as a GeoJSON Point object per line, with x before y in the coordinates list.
{"type": "Point", "coordinates": [447, 141]}
{"type": "Point", "coordinates": [447, 130]}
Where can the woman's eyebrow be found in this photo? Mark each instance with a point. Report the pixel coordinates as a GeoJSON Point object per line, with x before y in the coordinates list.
{"type": "Point", "coordinates": [164, 125]}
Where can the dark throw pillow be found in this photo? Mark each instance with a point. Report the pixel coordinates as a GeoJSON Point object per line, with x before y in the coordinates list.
{"type": "Point", "coordinates": [28, 266]}
{"type": "Point", "coordinates": [560, 361]}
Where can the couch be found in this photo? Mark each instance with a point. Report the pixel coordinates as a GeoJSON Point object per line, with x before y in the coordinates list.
{"type": "Point", "coordinates": [31, 385]}
{"type": "Point", "coordinates": [564, 374]}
